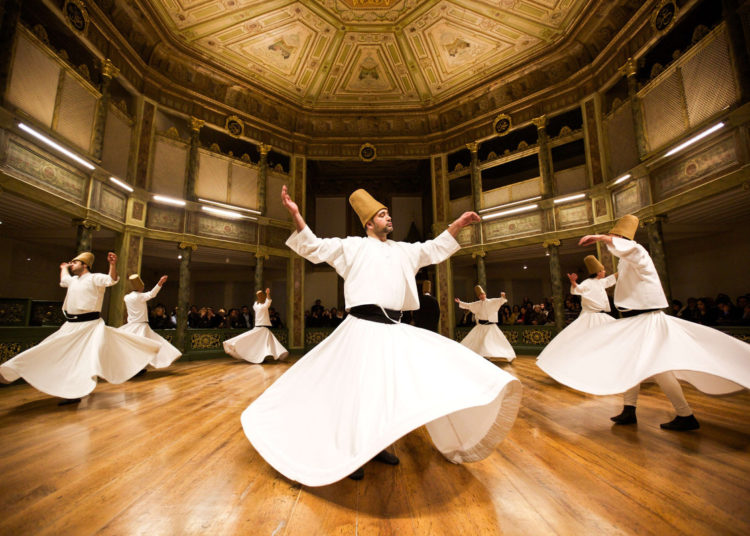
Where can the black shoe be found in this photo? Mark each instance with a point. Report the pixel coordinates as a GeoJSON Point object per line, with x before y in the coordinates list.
{"type": "Point", "coordinates": [359, 474]}
{"type": "Point", "coordinates": [681, 424]}
{"type": "Point", "coordinates": [626, 417]}
{"type": "Point", "coordinates": [68, 401]}
{"type": "Point", "coordinates": [141, 372]}
{"type": "Point", "coordinates": [387, 457]}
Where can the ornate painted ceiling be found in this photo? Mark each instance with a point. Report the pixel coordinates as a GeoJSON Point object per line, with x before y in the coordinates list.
{"type": "Point", "coordinates": [327, 54]}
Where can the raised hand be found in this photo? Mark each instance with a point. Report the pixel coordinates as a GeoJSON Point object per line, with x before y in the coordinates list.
{"type": "Point", "coordinates": [457, 300]}
{"type": "Point", "coordinates": [162, 280]}
{"type": "Point", "coordinates": [286, 200]}
{"type": "Point", "coordinates": [573, 277]}
{"type": "Point", "coordinates": [111, 257]}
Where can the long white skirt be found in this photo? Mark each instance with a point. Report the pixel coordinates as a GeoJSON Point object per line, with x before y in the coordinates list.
{"type": "Point", "coordinates": [615, 356]}
{"type": "Point", "coordinates": [255, 345]}
{"type": "Point", "coordinates": [167, 355]}
{"type": "Point", "coordinates": [488, 340]}
{"type": "Point", "coordinates": [559, 347]}
{"type": "Point", "coordinates": [67, 363]}
{"type": "Point", "coordinates": [369, 384]}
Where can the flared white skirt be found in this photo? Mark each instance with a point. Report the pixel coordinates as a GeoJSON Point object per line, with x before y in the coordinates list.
{"type": "Point", "coordinates": [615, 356]}
{"type": "Point", "coordinates": [559, 346]}
{"type": "Point", "coordinates": [255, 345]}
{"type": "Point", "coordinates": [167, 355]}
{"type": "Point", "coordinates": [68, 362]}
{"type": "Point", "coordinates": [367, 385]}
{"type": "Point", "coordinates": [488, 340]}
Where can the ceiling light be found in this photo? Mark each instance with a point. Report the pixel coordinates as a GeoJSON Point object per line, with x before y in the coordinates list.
{"type": "Point", "coordinates": [511, 211]}
{"type": "Point", "coordinates": [504, 205]}
{"type": "Point", "coordinates": [525, 267]}
{"type": "Point", "coordinates": [56, 146]}
{"type": "Point", "coordinates": [169, 200]}
{"type": "Point", "coordinates": [695, 139]}
{"type": "Point", "coordinates": [226, 213]}
{"type": "Point", "coordinates": [179, 257]}
{"type": "Point", "coordinates": [622, 179]}
{"type": "Point", "coordinates": [569, 198]}
{"type": "Point", "coordinates": [230, 207]}
{"type": "Point", "coordinates": [121, 184]}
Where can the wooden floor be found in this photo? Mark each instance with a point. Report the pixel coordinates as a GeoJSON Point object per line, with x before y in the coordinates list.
{"type": "Point", "coordinates": [165, 454]}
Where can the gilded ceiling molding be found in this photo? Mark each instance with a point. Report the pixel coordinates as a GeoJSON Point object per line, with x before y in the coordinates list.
{"type": "Point", "coordinates": [234, 126]}
{"type": "Point", "coordinates": [76, 16]}
{"type": "Point", "coordinates": [264, 149]}
{"type": "Point", "coordinates": [502, 124]}
{"type": "Point", "coordinates": [551, 242]}
{"type": "Point", "coordinates": [196, 124]}
{"type": "Point", "coordinates": [540, 122]}
{"type": "Point", "coordinates": [630, 68]}
{"type": "Point", "coordinates": [664, 15]}
{"type": "Point", "coordinates": [187, 245]}
{"type": "Point", "coordinates": [109, 70]}
{"type": "Point", "coordinates": [367, 152]}
{"type": "Point", "coordinates": [473, 146]}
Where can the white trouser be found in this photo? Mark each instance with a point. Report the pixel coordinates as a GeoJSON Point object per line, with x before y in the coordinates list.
{"type": "Point", "coordinates": [671, 387]}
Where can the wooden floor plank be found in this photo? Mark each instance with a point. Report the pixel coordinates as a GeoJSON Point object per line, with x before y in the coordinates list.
{"type": "Point", "coordinates": [165, 454]}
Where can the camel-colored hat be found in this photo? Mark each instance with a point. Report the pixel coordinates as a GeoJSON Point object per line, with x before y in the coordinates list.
{"type": "Point", "coordinates": [86, 258]}
{"type": "Point", "coordinates": [136, 282]}
{"type": "Point", "coordinates": [626, 226]}
{"type": "Point", "coordinates": [365, 205]}
{"type": "Point", "coordinates": [478, 290]}
{"type": "Point", "coordinates": [426, 286]}
{"type": "Point", "coordinates": [592, 264]}
{"type": "Point", "coordinates": [260, 296]}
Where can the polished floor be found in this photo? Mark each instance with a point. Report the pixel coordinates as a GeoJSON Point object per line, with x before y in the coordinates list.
{"type": "Point", "coordinates": [165, 454]}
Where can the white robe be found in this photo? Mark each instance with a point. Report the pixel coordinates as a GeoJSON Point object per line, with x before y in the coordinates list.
{"type": "Point", "coordinates": [67, 363]}
{"type": "Point", "coordinates": [254, 345]}
{"type": "Point", "coordinates": [487, 339]}
{"type": "Point", "coordinates": [136, 304]}
{"type": "Point", "coordinates": [368, 383]}
{"type": "Point", "coordinates": [615, 356]}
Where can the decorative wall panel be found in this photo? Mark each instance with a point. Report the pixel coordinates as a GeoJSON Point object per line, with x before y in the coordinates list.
{"type": "Point", "coordinates": [213, 173]}
{"type": "Point", "coordinates": [168, 168]}
{"type": "Point", "coordinates": [116, 148]}
{"type": "Point", "coordinates": [620, 134]}
{"type": "Point", "coordinates": [571, 180]}
{"type": "Point", "coordinates": [459, 206]}
{"type": "Point", "coordinates": [244, 191]}
{"type": "Point", "coordinates": [108, 201]}
{"type": "Point", "coordinates": [467, 236]}
{"type": "Point", "coordinates": [573, 214]}
{"type": "Point", "coordinates": [513, 226]}
{"type": "Point", "coordinates": [164, 219]}
{"type": "Point", "coordinates": [513, 192]}
{"type": "Point", "coordinates": [76, 114]}
{"type": "Point", "coordinates": [664, 114]}
{"type": "Point", "coordinates": [627, 200]}
{"type": "Point", "coordinates": [202, 224]}
{"type": "Point", "coordinates": [274, 208]}
{"type": "Point", "coordinates": [33, 90]}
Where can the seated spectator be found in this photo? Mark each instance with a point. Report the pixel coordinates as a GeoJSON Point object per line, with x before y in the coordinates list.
{"type": "Point", "coordinates": [246, 316]}
{"type": "Point", "coordinates": [705, 313]}
{"type": "Point", "coordinates": [690, 311]}
{"type": "Point", "coordinates": [317, 307]}
{"type": "Point", "coordinates": [194, 317]}
{"type": "Point", "coordinates": [275, 318]}
{"type": "Point", "coordinates": [159, 318]}
{"type": "Point", "coordinates": [675, 308]}
{"type": "Point", "coordinates": [521, 315]}
{"type": "Point", "coordinates": [513, 317]}
{"type": "Point", "coordinates": [745, 318]}
{"type": "Point", "coordinates": [235, 320]}
{"type": "Point", "coordinates": [726, 315]}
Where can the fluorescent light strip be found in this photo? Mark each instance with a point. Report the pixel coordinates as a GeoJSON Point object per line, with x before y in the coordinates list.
{"type": "Point", "coordinates": [230, 207]}
{"type": "Point", "coordinates": [695, 139]}
{"type": "Point", "coordinates": [622, 179]}
{"type": "Point", "coordinates": [509, 204]}
{"type": "Point", "coordinates": [511, 211]}
{"type": "Point", "coordinates": [56, 145]}
{"type": "Point", "coordinates": [227, 213]}
{"type": "Point", "coordinates": [169, 200]}
{"type": "Point", "coordinates": [121, 184]}
{"type": "Point", "coordinates": [569, 198]}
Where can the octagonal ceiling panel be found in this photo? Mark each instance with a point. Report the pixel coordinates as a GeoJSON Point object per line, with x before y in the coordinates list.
{"type": "Point", "coordinates": [330, 53]}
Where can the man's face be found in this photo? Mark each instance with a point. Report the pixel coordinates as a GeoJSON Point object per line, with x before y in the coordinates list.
{"type": "Point", "coordinates": [77, 267]}
{"type": "Point", "coordinates": [245, 309]}
{"type": "Point", "coordinates": [601, 274]}
{"type": "Point", "coordinates": [381, 222]}
{"type": "Point", "coordinates": [483, 296]}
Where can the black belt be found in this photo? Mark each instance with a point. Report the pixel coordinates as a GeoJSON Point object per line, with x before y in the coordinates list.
{"type": "Point", "coordinates": [83, 317]}
{"type": "Point", "coordinates": [485, 322]}
{"type": "Point", "coordinates": [375, 313]}
{"type": "Point", "coordinates": [636, 312]}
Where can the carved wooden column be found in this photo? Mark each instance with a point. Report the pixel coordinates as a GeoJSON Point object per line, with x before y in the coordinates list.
{"type": "Point", "coordinates": [84, 234]}
{"type": "Point", "coordinates": [129, 249]}
{"type": "Point", "coordinates": [262, 177]}
{"type": "Point", "coordinates": [444, 284]}
{"type": "Point", "coordinates": [545, 158]}
{"type": "Point", "coordinates": [183, 296]}
{"type": "Point", "coordinates": [10, 18]}
{"type": "Point", "coordinates": [296, 267]}
{"type": "Point", "coordinates": [260, 259]}
{"type": "Point", "coordinates": [553, 247]}
{"type": "Point", "coordinates": [143, 146]}
{"type": "Point", "coordinates": [109, 71]}
{"type": "Point", "coordinates": [629, 70]}
{"type": "Point", "coordinates": [192, 167]}
{"type": "Point", "coordinates": [655, 233]}
{"type": "Point", "coordinates": [476, 196]}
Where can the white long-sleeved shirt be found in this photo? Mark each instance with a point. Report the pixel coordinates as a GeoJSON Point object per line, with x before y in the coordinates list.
{"type": "Point", "coordinates": [593, 296]}
{"type": "Point", "coordinates": [375, 272]}
{"type": "Point", "coordinates": [85, 293]}
{"type": "Point", "coordinates": [484, 309]}
{"type": "Point", "coordinates": [262, 318]}
{"type": "Point", "coordinates": [135, 302]}
{"type": "Point", "coordinates": [638, 285]}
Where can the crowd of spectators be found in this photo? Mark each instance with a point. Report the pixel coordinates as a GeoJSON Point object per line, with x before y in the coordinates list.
{"type": "Point", "coordinates": [527, 313]}
{"type": "Point", "coordinates": [320, 317]}
{"type": "Point", "coordinates": [208, 318]}
{"type": "Point", "coordinates": [719, 311]}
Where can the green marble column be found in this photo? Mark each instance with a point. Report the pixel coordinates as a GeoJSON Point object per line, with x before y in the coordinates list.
{"type": "Point", "coordinates": [84, 234]}
{"type": "Point", "coordinates": [262, 177]}
{"type": "Point", "coordinates": [10, 17]}
{"type": "Point", "coordinates": [259, 264]}
{"type": "Point", "coordinates": [656, 248]}
{"type": "Point", "coordinates": [102, 108]}
{"type": "Point", "coordinates": [545, 158]}
{"type": "Point", "coordinates": [555, 273]}
{"type": "Point", "coordinates": [192, 168]}
{"type": "Point", "coordinates": [183, 296]}
{"type": "Point", "coordinates": [629, 70]}
{"type": "Point", "coordinates": [476, 197]}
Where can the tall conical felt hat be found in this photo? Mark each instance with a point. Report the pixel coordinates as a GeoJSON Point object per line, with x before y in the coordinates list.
{"type": "Point", "coordinates": [365, 205]}
{"type": "Point", "coordinates": [86, 258]}
{"type": "Point", "coordinates": [592, 264]}
{"type": "Point", "coordinates": [136, 282]}
{"type": "Point", "coordinates": [426, 286]}
{"type": "Point", "coordinates": [626, 226]}
{"type": "Point", "coordinates": [478, 290]}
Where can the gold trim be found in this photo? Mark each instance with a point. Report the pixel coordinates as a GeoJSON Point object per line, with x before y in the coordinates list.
{"type": "Point", "coordinates": [498, 119]}
{"type": "Point", "coordinates": [364, 152]}
{"type": "Point", "coordinates": [540, 122]}
{"type": "Point", "coordinates": [657, 14]}
{"type": "Point", "coordinates": [80, 26]}
{"type": "Point", "coordinates": [264, 149]}
{"type": "Point", "coordinates": [186, 245]}
{"type": "Point", "coordinates": [196, 124]}
{"type": "Point", "coordinates": [551, 242]}
{"type": "Point", "coordinates": [233, 130]}
{"type": "Point", "coordinates": [109, 70]}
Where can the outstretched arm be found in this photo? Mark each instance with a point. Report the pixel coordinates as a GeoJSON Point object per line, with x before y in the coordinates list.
{"type": "Point", "coordinates": [64, 274]}
{"type": "Point", "coordinates": [293, 209]}
{"type": "Point", "coordinates": [112, 260]}
{"type": "Point", "coordinates": [467, 218]}
{"type": "Point", "coordinates": [590, 239]}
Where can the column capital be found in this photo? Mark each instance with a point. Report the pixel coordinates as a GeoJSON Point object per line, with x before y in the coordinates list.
{"type": "Point", "coordinates": [480, 254]}
{"type": "Point", "coordinates": [630, 68]}
{"type": "Point", "coordinates": [661, 218]}
{"type": "Point", "coordinates": [88, 224]}
{"type": "Point", "coordinates": [540, 122]}
{"type": "Point", "coordinates": [108, 69]}
{"type": "Point", "coordinates": [263, 148]}
{"type": "Point", "coordinates": [196, 124]}
{"type": "Point", "coordinates": [187, 245]}
{"type": "Point", "coordinates": [551, 242]}
{"type": "Point", "coordinates": [473, 146]}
